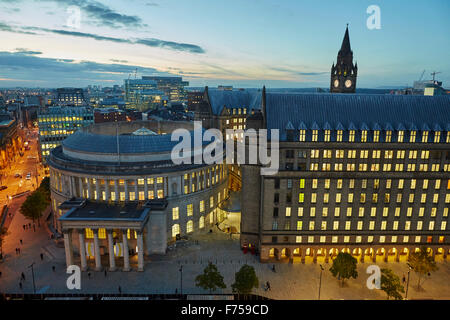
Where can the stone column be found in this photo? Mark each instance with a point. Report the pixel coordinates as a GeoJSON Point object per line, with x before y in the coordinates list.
{"type": "Point", "coordinates": [146, 188]}
{"type": "Point", "coordinates": [374, 255]}
{"type": "Point", "coordinates": [291, 256]}
{"type": "Point", "coordinates": [116, 190]}
{"type": "Point", "coordinates": [136, 191]}
{"type": "Point", "coordinates": [80, 180]}
{"type": "Point", "coordinates": [386, 255]}
{"type": "Point", "coordinates": [126, 190]}
{"type": "Point", "coordinates": [126, 254]}
{"type": "Point", "coordinates": [327, 255]}
{"type": "Point", "coordinates": [68, 247]}
{"type": "Point", "coordinates": [361, 259]}
{"type": "Point", "coordinates": [190, 182]}
{"type": "Point", "coordinates": [107, 195]}
{"type": "Point", "coordinates": [315, 256]}
{"type": "Point", "coordinates": [97, 189]}
{"type": "Point", "coordinates": [278, 254]}
{"type": "Point", "coordinates": [89, 189]}
{"type": "Point", "coordinates": [433, 253]}
{"type": "Point", "coordinates": [397, 255]}
{"type": "Point", "coordinates": [98, 260]}
{"type": "Point", "coordinates": [82, 250]}
{"type": "Point", "coordinates": [182, 184]}
{"type": "Point", "coordinates": [112, 261]}
{"type": "Point", "coordinates": [165, 181]}
{"type": "Point", "coordinates": [71, 189]}
{"type": "Point", "coordinates": [445, 253]}
{"type": "Point", "coordinates": [155, 188]}
{"type": "Point", "coordinates": [140, 245]}
{"type": "Point", "coordinates": [303, 252]}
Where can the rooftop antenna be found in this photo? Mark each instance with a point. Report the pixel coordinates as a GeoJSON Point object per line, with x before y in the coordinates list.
{"type": "Point", "coordinates": [422, 75]}
{"type": "Point", "coordinates": [434, 73]}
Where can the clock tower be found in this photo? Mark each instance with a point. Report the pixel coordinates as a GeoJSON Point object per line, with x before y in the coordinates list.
{"type": "Point", "coordinates": [343, 74]}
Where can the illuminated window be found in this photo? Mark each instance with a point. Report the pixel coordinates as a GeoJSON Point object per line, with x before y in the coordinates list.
{"type": "Point", "coordinates": [437, 137]}
{"type": "Point", "coordinates": [314, 135]}
{"type": "Point", "coordinates": [337, 211]}
{"type": "Point", "coordinates": [201, 222]}
{"type": "Point", "coordinates": [351, 137]}
{"type": "Point", "coordinates": [299, 225]}
{"type": "Point", "coordinates": [302, 183]}
{"type": "Point", "coordinates": [311, 225]}
{"type": "Point", "coordinates": [190, 226]}
{"type": "Point", "coordinates": [189, 210]}
{"type": "Point", "coordinates": [376, 136]}
{"type": "Point", "coordinates": [400, 136]}
{"type": "Point", "coordinates": [89, 233]}
{"type": "Point", "coordinates": [202, 205]}
{"type": "Point", "coordinates": [301, 197]}
{"type": "Point", "coordinates": [288, 211]}
{"type": "Point", "coordinates": [175, 213]}
{"type": "Point", "coordinates": [339, 136]}
{"type": "Point", "coordinates": [388, 135]}
{"type": "Point", "coordinates": [302, 135]}
{"type": "Point", "coordinates": [300, 212]}
{"type": "Point", "coordinates": [327, 135]}
{"type": "Point", "coordinates": [364, 136]}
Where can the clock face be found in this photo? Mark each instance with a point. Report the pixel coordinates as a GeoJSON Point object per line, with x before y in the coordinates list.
{"type": "Point", "coordinates": [348, 83]}
{"type": "Point", "coordinates": [336, 83]}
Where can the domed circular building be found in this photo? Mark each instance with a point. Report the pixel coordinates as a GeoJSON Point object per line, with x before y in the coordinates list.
{"type": "Point", "coordinates": [117, 186]}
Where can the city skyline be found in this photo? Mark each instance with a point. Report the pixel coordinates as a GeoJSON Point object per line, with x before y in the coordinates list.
{"type": "Point", "coordinates": [210, 43]}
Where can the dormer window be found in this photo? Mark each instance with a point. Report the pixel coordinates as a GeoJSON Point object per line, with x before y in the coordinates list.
{"type": "Point", "coordinates": [327, 135]}
{"type": "Point", "coordinates": [315, 134]}
{"type": "Point", "coordinates": [400, 136]}
{"type": "Point", "coordinates": [437, 136]}
{"type": "Point", "coordinates": [302, 135]}
{"type": "Point", "coordinates": [388, 135]}
{"type": "Point", "coordinates": [364, 136]}
{"type": "Point", "coordinates": [448, 137]}
{"type": "Point", "coordinates": [425, 137]}
{"type": "Point", "coordinates": [412, 137]}
{"type": "Point", "coordinates": [351, 137]}
{"type": "Point", "coordinates": [339, 136]}
{"type": "Point", "coordinates": [376, 136]}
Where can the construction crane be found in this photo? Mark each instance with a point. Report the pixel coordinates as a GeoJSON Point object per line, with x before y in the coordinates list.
{"type": "Point", "coordinates": [420, 79]}
{"type": "Point", "coordinates": [434, 73]}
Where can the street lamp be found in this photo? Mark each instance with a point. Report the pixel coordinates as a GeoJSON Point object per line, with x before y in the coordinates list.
{"type": "Point", "coordinates": [181, 279]}
{"type": "Point", "coordinates": [407, 283]}
{"type": "Point", "coordinates": [32, 275]}
{"type": "Point", "coordinates": [320, 279]}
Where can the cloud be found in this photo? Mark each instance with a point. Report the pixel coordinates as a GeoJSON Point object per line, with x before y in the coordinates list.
{"type": "Point", "coordinates": [102, 14]}
{"type": "Point", "coordinates": [26, 51]}
{"type": "Point", "coordinates": [295, 72]}
{"type": "Point", "coordinates": [118, 61]}
{"type": "Point", "coordinates": [151, 42]}
{"type": "Point", "coordinates": [63, 72]}
{"type": "Point", "coordinates": [152, 4]}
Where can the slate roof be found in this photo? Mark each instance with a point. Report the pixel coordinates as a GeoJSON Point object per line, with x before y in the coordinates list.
{"type": "Point", "coordinates": [249, 98]}
{"type": "Point", "coordinates": [85, 141]}
{"type": "Point", "coordinates": [356, 111]}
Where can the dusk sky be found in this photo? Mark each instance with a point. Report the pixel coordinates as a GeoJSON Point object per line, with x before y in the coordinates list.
{"type": "Point", "coordinates": [245, 43]}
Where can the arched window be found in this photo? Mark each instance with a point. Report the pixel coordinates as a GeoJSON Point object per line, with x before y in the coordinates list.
{"type": "Point", "coordinates": [175, 230]}
{"type": "Point", "coordinates": [201, 222]}
{"type": "Point", "coordinates": [190, 226]}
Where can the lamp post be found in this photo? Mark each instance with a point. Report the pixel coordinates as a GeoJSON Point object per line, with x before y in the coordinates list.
{"type": "Point", "coordinates": [181, 279]}
{"type": "Point", "coordinates": [407, 282]}
{"type": "Point", "coordinates": [32, 275]}
{"type": "Point", "coordinates": [320, 279]}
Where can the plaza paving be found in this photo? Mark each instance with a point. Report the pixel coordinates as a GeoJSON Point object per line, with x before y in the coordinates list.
{"type": "Point", "coordinates": [161, 275]}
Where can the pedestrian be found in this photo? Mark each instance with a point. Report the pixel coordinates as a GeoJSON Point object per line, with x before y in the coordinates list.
{"type": "Point", "coordinates": [273, 268]}
{"type": "Point", "coordinates": [21, 241]}
{"type": "Point", "coordinates": [268, 285]}
{"type": "Point", "coordinates": [404, 279]}
{"type": "Point", "coordinates": [105, 273]}
{"type": "Point", "coordinates": [16, 251]}
{"type": "Point", "coordinates": [120, 290]}
{"type": "Point", "coordinates": [89, 275]}
{"type": "Point", "coordinates": [22, 276]}
{"type": "Point", "coordinates": [53, 268]}
{"type": "Point", "coordinates": [29, 225]}
{"type": "Point", "coordinates": [0, 273]}
{"type": "Point", "coordinates": [23, 226]}
{"type": "Point", "coordinates": [20, 284]}
{"type": "Point", "coordinates": [42, 256]}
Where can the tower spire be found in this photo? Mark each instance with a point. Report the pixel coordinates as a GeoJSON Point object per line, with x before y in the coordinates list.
{"type": "Point", "coordinates": [345, 47]}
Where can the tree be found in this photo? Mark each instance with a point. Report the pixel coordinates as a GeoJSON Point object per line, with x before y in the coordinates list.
{"type": "Point", "coordinates": [211, 279]}
{"type": "Point", "coordinates": [44, 187]}
{"type": "Point", "coordinates": [344, 267]}
{"type": "Point", "coordinates": [422, 263]}
{"type": "Point", "coordinates": [34, 205]}
{"type": "Point", "coordinates": [245, 280]}
{"type": "Point", "coordinates": [3, 233]}
{"type": "Point", "coordinates": [390, 283]}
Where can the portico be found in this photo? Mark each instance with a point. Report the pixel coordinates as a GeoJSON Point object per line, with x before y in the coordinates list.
{"type": "Point", "coordinates": [103, 229]}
